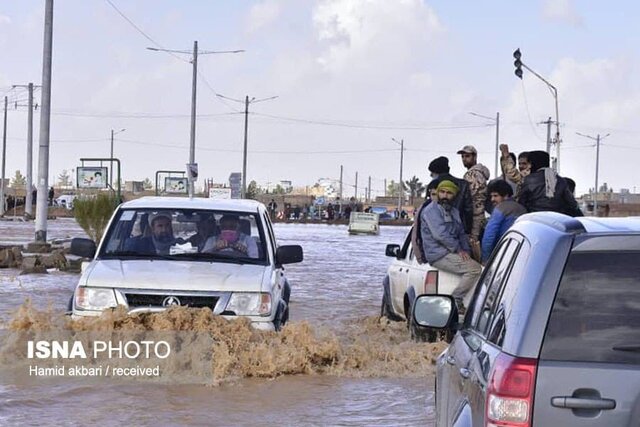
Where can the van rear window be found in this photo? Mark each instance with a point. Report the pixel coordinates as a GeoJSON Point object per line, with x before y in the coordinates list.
{"type": "Point", "coordinates": [596, 313]}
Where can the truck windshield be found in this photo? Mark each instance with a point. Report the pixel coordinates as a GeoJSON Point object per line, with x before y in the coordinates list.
{"type": "Point", "coordinates": [180, 234]}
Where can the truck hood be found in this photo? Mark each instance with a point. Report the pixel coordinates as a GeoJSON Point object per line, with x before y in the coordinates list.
{"type": "Point", "coordinates": [175, 275]}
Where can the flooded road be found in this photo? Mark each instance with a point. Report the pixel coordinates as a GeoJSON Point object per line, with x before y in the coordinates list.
{"type": "Point", "coordinates": [335, 363]}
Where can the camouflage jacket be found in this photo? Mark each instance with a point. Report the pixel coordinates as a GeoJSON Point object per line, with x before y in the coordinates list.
{"type": "Point", "coordinates": [477, 177]}
{"type": "Point", "coordinates": [512, 173]}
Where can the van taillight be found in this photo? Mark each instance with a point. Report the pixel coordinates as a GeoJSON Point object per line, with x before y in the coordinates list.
{"type": "Point", "coordinates": [431, 282]}
{"type": "Point", "coordinates": [510, 392]}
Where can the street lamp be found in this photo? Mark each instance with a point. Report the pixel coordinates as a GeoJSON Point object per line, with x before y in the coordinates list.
{"type": "Point", "coordinates": [194, 62]}
{"type": "Point", "coordinates": [111, 156]}
{"type": "Point", "coordinates": [497, 122]}
{"type": "Point", "coordinates": [597, 139]}
{"type": "Point", "coordinates": [401, 143]}
{"type": "Point", "coordinates": [518, 72]}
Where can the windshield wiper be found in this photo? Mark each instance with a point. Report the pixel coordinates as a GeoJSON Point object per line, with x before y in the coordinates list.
{"type": "Point", "coordinates": [627, 347]}
{"type": "Point", "coordinates": [137, 255]}
{"type": "Point", "coordinates": [211, 256]}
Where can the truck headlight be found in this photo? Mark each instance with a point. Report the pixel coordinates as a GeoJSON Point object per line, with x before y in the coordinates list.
{"type": "Point", "coordinates": [250, 304]}
{"type": "Point", "coordinates": [96, 299]}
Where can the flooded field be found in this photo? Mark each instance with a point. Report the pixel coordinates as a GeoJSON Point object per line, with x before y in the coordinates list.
{"type": "Point", "coordinates": [336, 363]}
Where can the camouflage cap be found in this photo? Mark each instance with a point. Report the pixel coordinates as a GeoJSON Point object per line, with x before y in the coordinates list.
{"type": "Point", "coordinates": [468, 149]}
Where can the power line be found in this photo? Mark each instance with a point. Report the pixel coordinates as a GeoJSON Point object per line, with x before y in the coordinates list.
{"type": "Point", "coordinates": [145, 35]}
{"type": "Point", "coordinates": [359, 126]}
{"type": "Point", "coordinates": [526, 104]}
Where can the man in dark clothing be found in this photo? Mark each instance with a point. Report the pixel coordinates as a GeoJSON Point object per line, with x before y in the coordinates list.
{"type": "Point", "coordinates": [544, 190]}
{"type": "Point", "coordinates": [439, 169]}
{"type": "Point", "coordinates": [52, 193]}
{"type": "Point", "coordinates": [160, 240]}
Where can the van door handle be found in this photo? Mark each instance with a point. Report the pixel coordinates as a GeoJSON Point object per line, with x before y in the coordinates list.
{"type": "Point", "coordinates": [465, 373]}
{"type": "Point", "coordinates": [582, 403]}
{"type": "Point", "coordinates": [451, 360]}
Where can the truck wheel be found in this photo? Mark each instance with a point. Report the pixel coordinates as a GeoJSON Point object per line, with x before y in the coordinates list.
{"type": "Point", "coordinates": [385, 309]}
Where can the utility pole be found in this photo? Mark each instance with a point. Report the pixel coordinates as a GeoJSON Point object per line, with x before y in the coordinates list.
{"type": "Point", "coordinates": [385, 187]}
{"type": "Point", "coordinates": [496, 120]}
{"type": "Point", "coordinates": [497, 144]}
{"type": "Point", "coordinates": [28, 208]}
{"type": "Point", "coordinates": [400, 191]}
{"type": "Point", "coordinates": [597, 139]}
{"type": "Point", "coordinates": [244, 150]}
{"type": "Point", "coordinates": [111, 157]}
{"type": "Point", "coordinates": [192, 135]}
{"type": "Point", "coordinates": [4, 156]}
{"type": "Point", "coordinates": [341, 169]}
{"type": "Point", "coordinates": [246, 103]}
{"type": "Point", "coordinates": [45, 117]}
{"type": "Point", "coordinates": [369, 190]}
{"type": "Point", "coordinates": [28, 204]}
{"type": "Point", "coordinates": [356, 193]}
{"type": "Point", "coordinates": [548, 123]}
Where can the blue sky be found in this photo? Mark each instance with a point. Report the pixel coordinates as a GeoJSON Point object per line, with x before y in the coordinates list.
{"type": "Point", "coordinates": [390, 66]}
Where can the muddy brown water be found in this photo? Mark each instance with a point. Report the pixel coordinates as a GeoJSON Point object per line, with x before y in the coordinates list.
{"type": "Point", "coordinates": [336, 363]}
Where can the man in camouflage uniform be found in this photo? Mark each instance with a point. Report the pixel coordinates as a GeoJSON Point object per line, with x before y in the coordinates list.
{"type": "Point", "coordinates": [509, 170]}
{"type": "Point", "coordinates": [477, 176]}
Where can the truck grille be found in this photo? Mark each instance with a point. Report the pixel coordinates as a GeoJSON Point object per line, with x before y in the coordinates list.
{"type": "Point", "coordinates": [158, 300]}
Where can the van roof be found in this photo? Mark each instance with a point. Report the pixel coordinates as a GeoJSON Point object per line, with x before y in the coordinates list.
{"type": "Point", "coordinates": [580, 225]}
{"type": "Point", "coordinates": [194, 203]}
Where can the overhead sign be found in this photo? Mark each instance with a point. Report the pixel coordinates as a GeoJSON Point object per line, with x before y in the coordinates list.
{"type": "Point", "coordinates": [219, 193]}
{"type": "Point", "coordinates": [176, 185]}
{"type": "Point", "coordinates": [92, 177]}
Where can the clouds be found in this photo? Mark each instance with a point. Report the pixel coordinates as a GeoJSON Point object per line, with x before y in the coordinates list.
{"type": "Point", "coordinates": [562, 11]}
{"type": "Point", "coordinates": [262, 14]}
{"type": "Point", "coordinates": [4, 20]}
{"type": "Point", "coordinates": [373, 33]}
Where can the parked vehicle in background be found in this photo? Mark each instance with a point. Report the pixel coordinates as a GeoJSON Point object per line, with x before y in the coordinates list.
{"type": "Point", "coordinates": [190, 258]}
{"type": "Point", "coordinates": [552, 334]}
{"type": "Point", "coordinates": [406, 279]}
{"type": "Point", "coordinates": [363, 223]}
{"type": "Point", "coordinates": [65, 201]}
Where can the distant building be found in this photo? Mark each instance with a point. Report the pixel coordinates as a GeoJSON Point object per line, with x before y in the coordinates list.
{"type": "Point", "coordinates": [134, 186]}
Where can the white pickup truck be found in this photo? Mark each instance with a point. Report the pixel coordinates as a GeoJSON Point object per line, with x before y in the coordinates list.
{"type": "Point", "coordinates": [406, 279]}
{"type": "Point", "coordinates": [159, 252]}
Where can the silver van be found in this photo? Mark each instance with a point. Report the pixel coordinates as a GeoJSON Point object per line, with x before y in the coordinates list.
{"type": "Point", "coordinates": [552, 334]}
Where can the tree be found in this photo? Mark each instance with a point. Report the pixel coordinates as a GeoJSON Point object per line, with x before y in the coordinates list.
{"type": "Point", "coordinates": [93, 214]}
{"type": "Point", "coordinates": [279, 189]}
{"type": "Point", "coordinates": [147, 184]}
{"type": "Point", "coordinates": [416, 188]}
{"type": "Point", "coordinates": [392, 189]}
{"type": "Point", "coordinates": [18, 181]}
{"type": "Point", "coordinates": [64, 179]}
{"type": "Point", "coordinates": [253, 190]}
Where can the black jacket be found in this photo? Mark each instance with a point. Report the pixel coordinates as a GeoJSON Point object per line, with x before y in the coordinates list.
{"type": "Point", "coordinates": [533, 197]}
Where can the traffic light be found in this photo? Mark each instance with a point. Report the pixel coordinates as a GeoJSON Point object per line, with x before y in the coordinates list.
{"type": "Point", "coordinates": [517, 63]}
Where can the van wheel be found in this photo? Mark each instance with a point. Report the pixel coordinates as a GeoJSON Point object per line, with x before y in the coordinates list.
{"type": "Point", "coordinates": [70, 304]}
{"type": "Point", "coordinates": [385, 309]}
